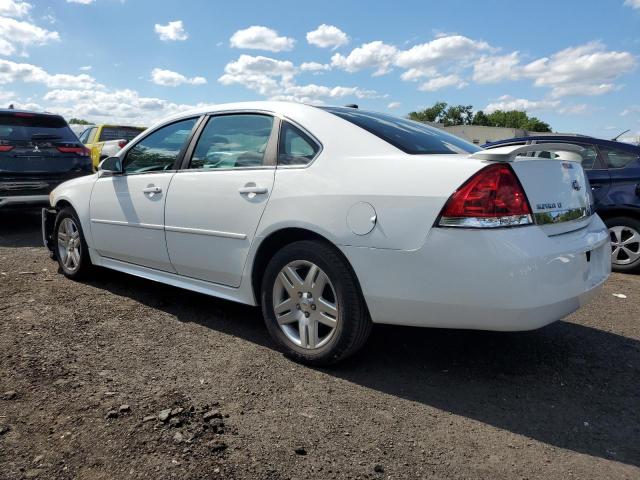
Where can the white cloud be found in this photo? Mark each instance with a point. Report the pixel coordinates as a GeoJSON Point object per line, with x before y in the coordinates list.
{"type": "Point", "coordinates": [169, 78]}
{"type": "Point", "coordinates": [438, 83]}
{"type": "Point", "coordinates": [314, 67]}
{"type": "Point", "coordinates": [120, 106]}
{"type": "Point", "coordinates": [261, 74]}
{"type": "Point", "coordinates": [11, 72]}
{"type": "Point", "coordinates": [577, 109]}
{"type": "Point", "coordinates": [275, 79]}
{"type": "Point", "coordinates": [13, 8]}
{"type": "Point", "coordinates": [632, 3]}
{"type": "Point", "coordinates": [584, 70]}
{"type": "Point", "coordinates": [86, 68]}
{"type": "Point", "coordinates": [326, 36]}
{"type": "Point", "coordinates": [377, 55]}
{"type": "Point", "coordinates": [507, 102]}
{"type": "Point", "coordinates": [82, 2]}
{"type": "Point", "coordinates": [630, 110]}
{"type": "Point", "coordinates": [493, 69]}
{"type": "Point", "coordinates": [171, 32]}
{"type": "Point", "coordinates": [258, 37]}
{"type": "Point", "coordinates": [16, 33]}
{"type": "Point", "coordinates": [443, 49]}
{"type": "Point", "coordinates": [394, 105]}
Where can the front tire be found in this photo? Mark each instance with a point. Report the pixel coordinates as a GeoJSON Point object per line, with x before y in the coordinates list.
{"type": "Point", "coordinates": [70, 247]}
{"type": "Point", "coordinates": [625, 243]}
{"type": "Point", "coordinates": [312, 304]}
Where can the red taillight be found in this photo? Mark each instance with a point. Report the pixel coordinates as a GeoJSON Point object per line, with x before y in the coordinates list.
{"type": "Point", "coordinates": [122, 143]}
{"type": "Point", "coordinates": [493, 197]}
{"type": "Point", "coordinates": [6, 148]}
{"type": "Point", "coordinates": [82, 151]}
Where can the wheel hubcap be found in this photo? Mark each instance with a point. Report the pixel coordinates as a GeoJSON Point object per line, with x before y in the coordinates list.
{"type": "Point", "coordinates": [625, 245]}
{"type": "Point", "coordinates": [305, 304]}
{"type": "Point", "coordinates": [69, 245]}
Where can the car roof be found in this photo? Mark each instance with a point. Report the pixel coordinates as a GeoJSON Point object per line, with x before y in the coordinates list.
{"type": "Point", "coordinates": [568, 138]}
{"type": "Point", "coordinates": [30, 112]}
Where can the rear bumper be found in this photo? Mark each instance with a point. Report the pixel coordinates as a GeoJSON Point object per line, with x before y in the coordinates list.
{"type": "Point", "coordinates": [510, 280]}
{"type": "Point", "coordinates": [23, 201]}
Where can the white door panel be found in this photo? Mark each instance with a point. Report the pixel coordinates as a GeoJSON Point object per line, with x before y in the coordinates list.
{"type": "Point", "coordinates": [211, 218]}
{"type": "Point", "coordinates": [127, 218]}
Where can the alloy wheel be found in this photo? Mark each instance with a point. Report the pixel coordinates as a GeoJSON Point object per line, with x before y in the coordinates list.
{"type": "Point", "coordinates": [69, 245]}
{"type": "Point", "coordinates": [625, 245]}
{"type": "Point", "coordinates": [305, 304]}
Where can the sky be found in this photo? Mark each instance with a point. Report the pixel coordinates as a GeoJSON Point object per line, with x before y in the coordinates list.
{"type": "Point", "coordinates": [573, 64]}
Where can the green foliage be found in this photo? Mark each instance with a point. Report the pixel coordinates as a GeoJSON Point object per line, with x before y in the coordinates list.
{"type": "Point", "coordinates": [79, 121]}
{"type": "Point", "coordinates": [431, 114]}
{"type": "Point", "coordinates": [450, 115]}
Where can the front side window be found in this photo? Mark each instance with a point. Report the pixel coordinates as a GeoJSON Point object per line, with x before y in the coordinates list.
{"type": "Point", "coordinates": [159, 150]}
{"type": "Point", "coordinates": [233, 141]}
{"type": "Point", "coordinates": [84, 136]}
{"type": "Point", "coordinates": [295, 146]}
{"type": "Point", "coordinates": [411, 137]}
{"type": "Point", "coordinates": [616, 158]}
{"type": "Point", "coordinates": [587, 157]}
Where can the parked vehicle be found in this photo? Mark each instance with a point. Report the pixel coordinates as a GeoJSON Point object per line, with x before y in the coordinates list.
{"type": "Point", "coordinates": [613, 170]}
{"type": "Point", "coordinates": [332, 218]}
{"type": "Point", "coordinates": [38, 151]}
{"type": "Point", "coordinates": [107, 140]}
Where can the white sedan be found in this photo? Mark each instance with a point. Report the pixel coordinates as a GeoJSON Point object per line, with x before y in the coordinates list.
{"type": "Point", "coordinates": [334, 218]}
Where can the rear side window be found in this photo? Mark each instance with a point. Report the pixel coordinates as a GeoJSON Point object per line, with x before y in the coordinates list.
{"type": "Point", "coordinates": [233, 141]}
{"type": "Point", "coordinates": [119, 133]}
{"type": "Point", "coordinates": [618, 158]}
{"type": "Point", "coordinates": [411, 137]}
{"type": "Point", "coordinates": [295, 146]}
{"type": "Point", "coordinates": [30, 127]}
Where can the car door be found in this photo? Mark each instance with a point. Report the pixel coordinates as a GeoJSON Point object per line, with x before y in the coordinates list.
{"type": "Point", "coordinates": [215, 203]}
{"type": "Point", "coordinates": [624, 171]}
{"type": "Point", "coordinates": [127, 210]}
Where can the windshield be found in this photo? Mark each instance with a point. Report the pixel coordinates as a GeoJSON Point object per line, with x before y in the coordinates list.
{"type": "Point", "coordinates": [411, 137]}
{"type": "Point", "coordinates": [31, 127]}
{"type": "Point", "coordinates": [119, 133]}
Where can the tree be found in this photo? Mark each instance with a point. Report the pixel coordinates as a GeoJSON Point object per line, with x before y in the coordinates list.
{"type": "Point", "coordinates": [450, 115]}
{"type": "Point", "coordinates": [79, 121]}
{"type": "Point", "coordinates": [480, 118]}
{"type": "Point", "coordinates": [431, 114]}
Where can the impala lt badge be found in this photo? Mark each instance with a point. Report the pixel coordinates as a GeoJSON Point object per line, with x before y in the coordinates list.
{"type": "Point", "coordinates": [576, 186]}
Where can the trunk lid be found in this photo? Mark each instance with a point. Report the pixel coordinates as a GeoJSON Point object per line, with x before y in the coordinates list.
{"type": "Point", "coordinates": [554, 181]}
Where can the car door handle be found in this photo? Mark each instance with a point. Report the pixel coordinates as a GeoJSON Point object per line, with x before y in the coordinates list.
{"type": "Point", "coordinates": [255, 190]}
{"type": "Point", "coordinates": [152, 190]}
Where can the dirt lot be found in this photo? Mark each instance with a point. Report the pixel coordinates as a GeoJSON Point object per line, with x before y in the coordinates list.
{"type": "Point", "coordinates": [87, 369]}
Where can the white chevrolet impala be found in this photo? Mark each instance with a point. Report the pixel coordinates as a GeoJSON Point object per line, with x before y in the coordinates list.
{"type": "Point", "coordinates": [334, 218]}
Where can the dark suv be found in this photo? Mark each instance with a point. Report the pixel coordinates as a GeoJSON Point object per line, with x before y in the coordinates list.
{"type": "Point", "coordinates": [613, 169]}
{"type": "Point", "coordinates": [38, 151]}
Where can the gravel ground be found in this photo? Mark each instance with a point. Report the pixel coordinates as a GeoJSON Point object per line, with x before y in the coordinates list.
{"type": "Point", "coordinates": [121, 377]}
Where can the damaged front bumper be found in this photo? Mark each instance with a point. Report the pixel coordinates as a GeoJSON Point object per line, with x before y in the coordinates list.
{"type": "Point", "coordinates": [48, 222]}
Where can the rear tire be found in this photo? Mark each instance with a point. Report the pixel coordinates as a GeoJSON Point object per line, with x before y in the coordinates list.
{"type": "Point", "coordinates": [69, 245]}
{"type": "Point", "coordinates": [625, 243]}
{"type": "Point", "coordinates": [312, 304]}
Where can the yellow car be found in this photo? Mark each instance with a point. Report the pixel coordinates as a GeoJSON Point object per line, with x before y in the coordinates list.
{"type": "Point", "coordinates": [107, 140]}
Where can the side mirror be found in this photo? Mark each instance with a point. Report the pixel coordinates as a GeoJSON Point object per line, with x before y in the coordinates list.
{"type": "Point", "coordinates": [111, 165]}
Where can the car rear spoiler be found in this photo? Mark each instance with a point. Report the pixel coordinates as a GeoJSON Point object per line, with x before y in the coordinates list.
{"type": "Point", "coordinates": [510, 152]}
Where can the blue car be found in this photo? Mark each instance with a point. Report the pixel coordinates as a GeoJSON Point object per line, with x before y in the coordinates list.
{"type": "Point", "coordinates": [613, 169]}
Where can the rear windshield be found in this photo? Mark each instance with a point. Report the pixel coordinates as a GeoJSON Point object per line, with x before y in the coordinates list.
{"type": "Point", "coordinates": [30, 127]}
{"type": "Point", "coordinates": [411, 137]}
{"type": "Point", "coordinates": [119, 133]}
